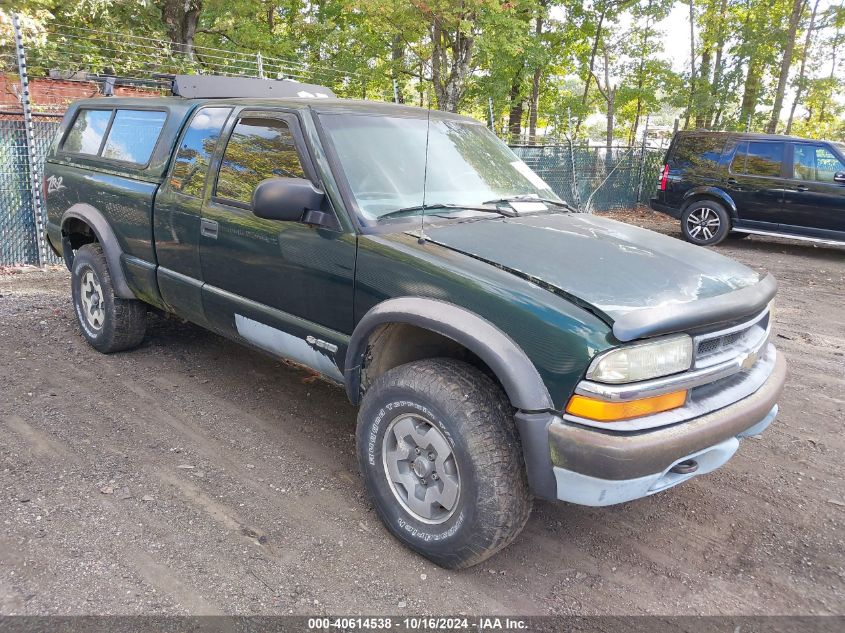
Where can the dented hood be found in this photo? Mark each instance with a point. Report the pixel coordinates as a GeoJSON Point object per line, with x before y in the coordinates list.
{"type": "Point", "coordinates": [624, 274]}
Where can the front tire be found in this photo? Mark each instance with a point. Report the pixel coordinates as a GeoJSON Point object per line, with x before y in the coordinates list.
{"type": "Point", "coordinates": [442, 462]}
{"type": "Point", "coordinates": [108, 323]}
{"type": "Point", "coordinates": [705, 222]}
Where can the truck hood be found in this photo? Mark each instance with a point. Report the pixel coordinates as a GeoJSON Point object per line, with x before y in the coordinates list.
{"type": "Point", "coordinates": [615, 270]}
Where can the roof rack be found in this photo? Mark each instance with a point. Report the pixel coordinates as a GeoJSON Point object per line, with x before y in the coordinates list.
{"type": "Point", "coordinates": [220, 87]}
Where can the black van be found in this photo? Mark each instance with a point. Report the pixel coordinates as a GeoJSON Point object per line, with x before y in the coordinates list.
{"type": "Point", "coordinates": [727, 184]}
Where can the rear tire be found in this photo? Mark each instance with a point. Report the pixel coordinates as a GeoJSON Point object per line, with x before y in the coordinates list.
{"type": "Point", "coordinates": [705, 222]}
{"type": "Point", "coordinates": [442, 462]}
{"type": "Point", "coordinates": [108, 323]}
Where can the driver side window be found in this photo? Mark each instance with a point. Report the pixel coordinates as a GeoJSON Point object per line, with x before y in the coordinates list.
{"type": "Point", "coordinates": [259, 148]}
{"type": "Point", "coordinates": [815, 163]}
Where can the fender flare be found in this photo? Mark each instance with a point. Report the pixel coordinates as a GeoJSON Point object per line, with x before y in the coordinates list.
{"type": "Point", "coordinates": [107, 239]}
{"type": "Point", "coordinates": [713, 192]}
{"type": "Point", "coordinates": [520, 379]}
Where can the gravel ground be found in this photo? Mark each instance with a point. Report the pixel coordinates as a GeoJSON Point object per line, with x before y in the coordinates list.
{"type": "Point", "coordinates": [195, 476]}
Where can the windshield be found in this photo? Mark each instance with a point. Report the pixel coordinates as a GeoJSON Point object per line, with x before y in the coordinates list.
{"type": "Point", "coordinates": [383, 158]}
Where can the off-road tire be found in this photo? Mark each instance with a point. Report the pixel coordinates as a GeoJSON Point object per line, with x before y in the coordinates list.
{"type": "Point", "coordinates": [124, 321]}
{"type": "Point", "coordinates": [476, 419]}
{"type": "Point", "coordinates": [706, 236]}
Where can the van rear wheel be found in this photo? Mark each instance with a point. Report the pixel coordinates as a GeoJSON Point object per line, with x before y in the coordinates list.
{"type": "Point", "coordinates": [705, 222]}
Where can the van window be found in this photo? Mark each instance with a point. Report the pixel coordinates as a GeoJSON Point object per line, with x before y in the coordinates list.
{"type": "Point", "coordinates": [133, 135]}
{"type": "Point", "coordinates": [191, 163]}
{"type": "Point", "coordinates": [697, 151]}
{"type": "Point", "coordinates": [815, 162]}
{"type": "Point", "coordinates": [758, 158]}
{"type": "Point", "coordinates": [86, 133]}
{"type": "Point", "coordinates": [259, 148]}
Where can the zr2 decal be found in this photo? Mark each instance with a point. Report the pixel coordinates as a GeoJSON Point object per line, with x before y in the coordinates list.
{"type": "Point", "coordinates": [54, 184]}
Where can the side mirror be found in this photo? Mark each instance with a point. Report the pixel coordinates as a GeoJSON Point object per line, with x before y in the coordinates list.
{"type": "Point", "coordinates": [839, 177]}
{"type": "Point", "coordinates": [286, 199]}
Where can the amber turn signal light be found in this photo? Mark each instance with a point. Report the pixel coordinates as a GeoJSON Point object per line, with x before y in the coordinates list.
{"type": "Point", "coordinates": [602, 411]}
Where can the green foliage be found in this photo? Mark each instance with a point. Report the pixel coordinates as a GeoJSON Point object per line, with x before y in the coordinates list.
{"type": "Point", "coordinates": [568, 62]}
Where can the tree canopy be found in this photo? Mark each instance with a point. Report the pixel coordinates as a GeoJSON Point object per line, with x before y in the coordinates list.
{"type": "Point", "coordinates": [596, 69]}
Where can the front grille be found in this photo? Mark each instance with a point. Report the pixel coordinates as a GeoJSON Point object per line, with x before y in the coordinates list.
{"type": "Point", "coordinates": [715, 347]}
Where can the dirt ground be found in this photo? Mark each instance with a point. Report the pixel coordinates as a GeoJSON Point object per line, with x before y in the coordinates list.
{"type": "Point", "coordinates": [195, 476]}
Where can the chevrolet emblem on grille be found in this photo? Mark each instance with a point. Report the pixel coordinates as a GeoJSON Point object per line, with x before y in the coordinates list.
{"type": "Point", "coordinates": [749, 360]}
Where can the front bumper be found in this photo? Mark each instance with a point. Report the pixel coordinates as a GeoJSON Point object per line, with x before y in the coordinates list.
{"type": "Point", "coordinates": [594, 467]}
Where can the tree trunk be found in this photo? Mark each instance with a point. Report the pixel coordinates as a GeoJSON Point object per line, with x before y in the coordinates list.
{"type": "Point", "coordinates": [397, 57]}
{"type": "Point", "coordinates": [593, 52]}
{"type": "Point", "coordinates": [691, 99]}
{"type": "Point", "coordinates": [632, 137]}
{"type": "Point", "coordinates": [516, 107]}
{"type": "Point", "coordinates": [538, 75]}
{"type": "Point", "coordinates": [640, 78]}
{"type": "Point", "coordinates": [785, 64]}
{"type": "Point", "coordinates": [799, 84]}
{"type": "Point", "coordinates": [610, 96]}
{"type": "Point", "coordinates": [450, 60]}
{"type": "Point", "coordinates": [833, 58]}
{"type": "Point", "coordinates": [181, 18]}
{"type": "Point", "coordinates": [702, 94]}
{"type": "Point", "coordinates": [715, 87]}
{"type": "Point", "coordinates": [752, 89]}
{"type": "Point", "coordinates": [718, 70]}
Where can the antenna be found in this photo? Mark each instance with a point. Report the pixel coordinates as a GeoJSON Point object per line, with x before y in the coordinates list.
{"type": "Point", "coordinates": [425, 171]}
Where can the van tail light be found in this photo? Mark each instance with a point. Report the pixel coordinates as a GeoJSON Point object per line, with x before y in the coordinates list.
{"type": "Point", "coordinates": [664, 176]}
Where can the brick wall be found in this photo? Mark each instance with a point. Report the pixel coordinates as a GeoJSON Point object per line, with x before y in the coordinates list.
{"type": "Point", "coordinates": [54, 95]}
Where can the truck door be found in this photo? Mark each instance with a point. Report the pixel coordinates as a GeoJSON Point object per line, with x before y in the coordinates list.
{"type": "Point", "coordinates": [178, 210]}
{"type": "Point", "coordinates": [754, 182]}
{"type": "Point", "coordinates": [283, 286]}
{"type": "Point", "coordinates": [814, 203]}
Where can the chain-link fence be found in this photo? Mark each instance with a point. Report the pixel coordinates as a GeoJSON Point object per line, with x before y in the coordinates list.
{"type": "Point", "coordinates": [18, 222]}
{"type": "Point", "coordinates": [18, 241]}
{"type": "Point", "coordinates": [594, 179]}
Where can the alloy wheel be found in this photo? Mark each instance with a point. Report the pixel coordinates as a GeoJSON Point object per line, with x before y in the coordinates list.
{"type": "Point", "coordinates": [91, 294]}
{"type": "Point", "coordinates": [703, 223]}
{"type": "Point", "coordinates": [421, 468]}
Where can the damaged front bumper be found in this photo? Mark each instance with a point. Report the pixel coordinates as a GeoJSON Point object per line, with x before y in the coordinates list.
{"type": "Point", "coordinates": [595, 467]}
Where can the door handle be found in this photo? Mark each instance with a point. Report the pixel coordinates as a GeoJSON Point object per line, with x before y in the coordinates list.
{"type": "Point", "coordinates": [732, 181]}
{"type": "Point", "coordinates": [208, 228]}
{"type": "Point", "coordinates": [801, 188]}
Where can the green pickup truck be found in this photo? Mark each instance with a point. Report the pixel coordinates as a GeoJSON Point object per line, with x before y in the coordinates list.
{"type": "Point", "coordinates": [500, 345]}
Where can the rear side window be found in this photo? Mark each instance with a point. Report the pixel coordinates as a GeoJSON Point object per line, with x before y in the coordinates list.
{"type": "Point", "coordinates": [815, 162]}
{"type": "Point", "coordinates": [758, 158]}
{"type": "Point", "coordinates": [86, 133]}
{"type": "Point", "coordinates": [697, 151]}
{"type": "Point", "coordinates": [191, 163]}
{"type": "Point", "coordinates": [258, 149]}
{"type": "Point", "coordinates": [133, 135]}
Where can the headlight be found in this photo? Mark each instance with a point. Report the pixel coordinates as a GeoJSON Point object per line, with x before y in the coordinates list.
{"type": "Point", "coordinates": [642, 361]}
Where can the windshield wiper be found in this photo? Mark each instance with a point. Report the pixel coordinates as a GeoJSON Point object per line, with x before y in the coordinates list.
{"type": "Point", "coordinates": [427, 207]}
{"type": "Point", "coordinates": [556, 203]}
